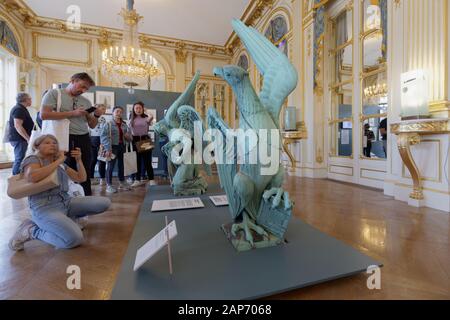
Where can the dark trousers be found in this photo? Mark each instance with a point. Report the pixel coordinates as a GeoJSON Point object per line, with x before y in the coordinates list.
{"type": "Point", "coordinates": [84, 143]}
{"type": "Point", "coordinates": [95, 146]}
{"type": "Point", "coordinates": [367, 150]}
{"type": "Point", "coordinates": [144, 160]}
{"type": "Point", "coordinates": [20, 149]}
{"type": "Point", "coordinates": [118, 151]}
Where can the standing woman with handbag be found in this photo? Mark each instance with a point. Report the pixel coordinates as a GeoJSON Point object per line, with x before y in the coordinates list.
{"type": "Point", "coordinates": [55, 215]}
{"type": "Point", "coordinates": [140, 123]}
{"type": "Point", "coordinates": [113, 138]}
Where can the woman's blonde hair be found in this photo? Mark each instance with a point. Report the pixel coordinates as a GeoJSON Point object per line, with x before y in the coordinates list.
{"type": "Point", "coordinates": [40, 140]}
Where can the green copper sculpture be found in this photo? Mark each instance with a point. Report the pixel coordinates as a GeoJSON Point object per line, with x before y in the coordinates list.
{"type": "Point", "coordinates": [260, 208]}
{"type": "Point", "coordinates": [178, 126]}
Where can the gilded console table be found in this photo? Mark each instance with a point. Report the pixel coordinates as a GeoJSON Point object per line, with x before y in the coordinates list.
{"type": "Point", "coordinates": [409, 133]}
{"type": "Point", "coordinates": [292, 137]}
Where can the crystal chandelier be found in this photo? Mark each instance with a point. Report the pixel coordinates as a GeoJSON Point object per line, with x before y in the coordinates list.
{"type": "Point", "coordinates": [377, 90]}
{"type": "Point", "coordinates": [127, 62]}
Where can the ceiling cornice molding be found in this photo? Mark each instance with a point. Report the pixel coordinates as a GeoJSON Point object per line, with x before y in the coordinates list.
{"type": "Point", "coordinates": [106, 36]}
{"type": "Point", "coordinates": [251, 17]}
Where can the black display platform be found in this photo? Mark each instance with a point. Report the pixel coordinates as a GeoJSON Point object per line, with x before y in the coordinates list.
{"type": "Point", "coordinates": [206, 266]}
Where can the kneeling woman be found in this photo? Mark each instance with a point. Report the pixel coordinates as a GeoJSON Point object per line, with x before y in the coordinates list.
{"type": "Point", "coordinates": [54, 213]}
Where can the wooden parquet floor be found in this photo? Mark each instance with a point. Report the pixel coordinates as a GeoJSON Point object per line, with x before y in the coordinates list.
{"type": "Point", "coordinates": [413, 244]}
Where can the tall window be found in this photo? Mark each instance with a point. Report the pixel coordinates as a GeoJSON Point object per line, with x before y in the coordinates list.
{"type": "Point", "coordinates": [8, 92]}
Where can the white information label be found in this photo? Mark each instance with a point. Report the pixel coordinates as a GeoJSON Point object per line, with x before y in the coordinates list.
{"type": "Point", "coordinates": [177, 204]}
{"type": "Point", "coordinates": [219, 201]}
{"type": "Point", "coordinates": [154, 245]}
{"type": "Point", "coordinates": [345, 138]}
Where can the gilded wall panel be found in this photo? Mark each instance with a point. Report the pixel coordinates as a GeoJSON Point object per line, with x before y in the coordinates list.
{"type": "Point", "coordinates": [62, 50]}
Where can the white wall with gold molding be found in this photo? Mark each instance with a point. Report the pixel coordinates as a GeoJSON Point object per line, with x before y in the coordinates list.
{"type": "Point", "coordinates": [425, 45]}
{"type": "Point", "coordinates": [419, 40]}
{"type": "Point", "coordinates": [54, 55]}
{"type": "Point", "coordinates": [54, 48]}
{"type": "Point", "coordinates": [418, 37]}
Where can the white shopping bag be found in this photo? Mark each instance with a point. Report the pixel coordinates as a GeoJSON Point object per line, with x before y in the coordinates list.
{"type": "Point", "coordinates": [365, 142]}
{"type": "Point", "coordinates": [6, 133]}
{"type": "Point", "coordinates": [129, 162]}
{"type": "Point", "coordinates": [58, 128]}
{"type": "Point", "coordinates": [35, 133]}
{"type": "Point", "coordinates": [75, 189]}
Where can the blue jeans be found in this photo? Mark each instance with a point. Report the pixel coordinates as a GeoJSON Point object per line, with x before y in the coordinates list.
{"type": "Point", "coordinates": [95, 146]}
{"type": "Point", "coordinates": [118, 151]}
{"type": "Point", "coordinates": [20, 148]}
{"type": "Point", "coordinates": [55, 216]}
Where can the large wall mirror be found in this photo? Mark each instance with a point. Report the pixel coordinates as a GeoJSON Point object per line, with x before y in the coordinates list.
{"type": "Point", "coordinates": [374, 101]}
{"type": "Point", "coordinates": [341, 88]}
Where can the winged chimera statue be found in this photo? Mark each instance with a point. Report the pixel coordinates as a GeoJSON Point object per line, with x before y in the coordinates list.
{"type": "Point", "coordinates": [260, 208]}
{"type": "Point", "coordinates": [185, 176]}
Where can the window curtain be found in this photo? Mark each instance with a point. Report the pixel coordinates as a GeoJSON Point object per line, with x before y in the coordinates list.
{"type": "Point", "coordinates": [384, 27]}
{"type": "Point", "coordinates": [11, 81]}
{"type": "Point", "coordinates": [9, 85]}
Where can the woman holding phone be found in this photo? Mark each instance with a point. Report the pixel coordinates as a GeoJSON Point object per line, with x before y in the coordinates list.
{"type": "Point", "coordinates": [56, 217]}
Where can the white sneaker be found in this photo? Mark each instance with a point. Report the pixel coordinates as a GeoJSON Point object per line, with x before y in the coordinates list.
{"type": "Point", "coordinates": [136, 184]}
{"type": "Point", "coordinates": [82, 222]}
{"type": "Point", "coordinates": [130, 181]}
{"type": "Point", "coordinates": [152, 183]}
{"type": "Point", "coordinates": [22, 235]}
{"type": "Point", "coordinates": [102, 182]}
{"type": "Point", "coordinates": [111, 189]}
{"type": "Point", "coordinates": [95, 182]}
{"type": "Point", "coordinates": [124, 186]}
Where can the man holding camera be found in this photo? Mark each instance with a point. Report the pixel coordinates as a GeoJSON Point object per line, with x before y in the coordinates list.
{"type": "Point", "coordinates": [78, 110]}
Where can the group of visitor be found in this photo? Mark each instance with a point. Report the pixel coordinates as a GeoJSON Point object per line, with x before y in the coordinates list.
{"type": "Point", "coordinates": [94, 142]}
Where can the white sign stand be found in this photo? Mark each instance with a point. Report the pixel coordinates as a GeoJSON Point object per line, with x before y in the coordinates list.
{"type": "Point", "coordinates": [153, 246]}
{"type": "Point", "coordinates": [168, 248]}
